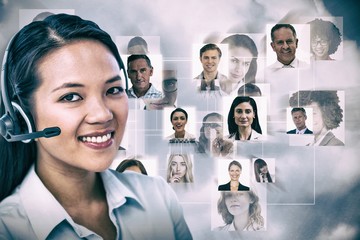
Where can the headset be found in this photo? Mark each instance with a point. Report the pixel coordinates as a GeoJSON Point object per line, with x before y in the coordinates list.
{"type": "Point", "coordinates": [10, 122]}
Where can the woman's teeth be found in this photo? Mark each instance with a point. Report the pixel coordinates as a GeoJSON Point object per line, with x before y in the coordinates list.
{"type": "Point", "coordinates": [98, 139]}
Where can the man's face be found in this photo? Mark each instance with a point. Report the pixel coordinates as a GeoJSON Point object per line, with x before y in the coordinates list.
{"type": "Point", "coordinates": [139, 73]}
{"type": "Point", "coordinates": [299, 119]}
{"type": "Point", "coordinates": [284, 45]}
{"type": "Point", "coordinates": [210, 60]}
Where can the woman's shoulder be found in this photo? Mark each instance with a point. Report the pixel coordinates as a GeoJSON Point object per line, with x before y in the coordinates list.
{"type": "Point", "coordinates": [256, 136]}
{"type": "Point", "coordinates": [224, 187]}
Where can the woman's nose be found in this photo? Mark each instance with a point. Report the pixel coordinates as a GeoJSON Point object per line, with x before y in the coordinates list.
{"type": "Point", "coordinates": [99, 112]}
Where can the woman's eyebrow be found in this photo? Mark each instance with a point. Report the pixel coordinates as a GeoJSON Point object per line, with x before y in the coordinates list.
{"type": "Point", "coordinates": [68, 85]}
{"type": "Point", "coordinates": [113, 79]}
{"type": "Point", "coordinates": [75, 85]}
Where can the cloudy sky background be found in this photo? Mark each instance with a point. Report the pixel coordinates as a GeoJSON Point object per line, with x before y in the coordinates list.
{"type": "Point", "coordinates": [317, 190]}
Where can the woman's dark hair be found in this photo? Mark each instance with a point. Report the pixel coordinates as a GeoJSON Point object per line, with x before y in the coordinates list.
{"type": "Point", "coordinates": [232, 126]}
{"type": "Point", "coordinates": [31, 44]}
{"type": "Point", "coordinates": [328, 102]}
{"type": "Point", "coordinates": [178, 110]}
{"type": "Point", "coordinates": [240, 40]}
{"type": "Point", "coordinates": [204, 142]}
{"type": "Point", "coordinates": [325, 30]}
{"type": "Point", "coordinates": [258, 164]}
{"type": "Point", "coordinates": [129, 163]}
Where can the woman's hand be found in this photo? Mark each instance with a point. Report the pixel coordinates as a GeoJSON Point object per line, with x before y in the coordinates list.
{"type": "Point", "coordinates": [175, 179]}
{"type": "Point", "coordinates": [222, 147]}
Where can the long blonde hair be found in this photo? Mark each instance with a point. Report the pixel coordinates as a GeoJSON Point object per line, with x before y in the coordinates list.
{"type": "Point", "coordinates": [188, 178]}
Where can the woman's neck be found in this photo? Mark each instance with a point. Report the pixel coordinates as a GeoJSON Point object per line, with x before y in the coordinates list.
{"type": "Point", "coordinates": [320, 134]}
{"type": "Point", "coordinates": [245, 133]}
{"type": "Point", "coordinates": [234, 185]}
{"type": "Point", "coordinates": [241, 221]}
{"type": "Point", "coordinates": [82, 195]}
{"type": "Point", "coordinates": [71, 187]}
{"type": "Point", "coordinates": [180, 134]}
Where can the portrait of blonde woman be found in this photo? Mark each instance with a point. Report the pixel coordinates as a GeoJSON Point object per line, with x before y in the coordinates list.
{"type": "Point", "coordinates": [180, 169]}
{"type": "Point", "coordinates": [240, 211]}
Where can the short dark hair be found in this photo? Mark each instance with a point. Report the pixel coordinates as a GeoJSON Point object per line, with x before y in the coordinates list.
{"type": "Point", "coordinates": [297, 109]}
{"type": "Point", "coordinates": [137, 41]}
{"type": "Point", "coordinates": [210, 46]}
{"type": "Point", "coordinates": [282, 25]}
{"type": "Point", "coordinates": [139, 56]}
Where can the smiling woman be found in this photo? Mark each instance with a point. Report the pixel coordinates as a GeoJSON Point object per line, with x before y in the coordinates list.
{"type": "Point", "coordinates": [178, 119]}
{"type": "Point", "coordinates": [234, 169]}
{"type": "Point", "coordinates": [69, 174]}
{"type": "Point", "coordinates": [243, 119]}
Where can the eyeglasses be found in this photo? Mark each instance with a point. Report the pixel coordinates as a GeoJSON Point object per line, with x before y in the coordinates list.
{"type": "Point", "coordinates": [321, 42]}
{"type": "Point", "coordinates": [170, 85]}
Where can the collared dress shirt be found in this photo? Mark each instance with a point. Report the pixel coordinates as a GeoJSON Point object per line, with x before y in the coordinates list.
{"type": "Point", "coordinates": [140, 207]}
{"type": "Point", "coordinates": [151, 93]}
{"type": "Point", "coordinates": [218, 78]}
{"type": "Point", "coordinates": [296, 63]}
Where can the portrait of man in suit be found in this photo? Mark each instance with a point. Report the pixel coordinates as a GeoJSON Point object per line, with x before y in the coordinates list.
{"type": "Point", "coordinates": [299, 118]}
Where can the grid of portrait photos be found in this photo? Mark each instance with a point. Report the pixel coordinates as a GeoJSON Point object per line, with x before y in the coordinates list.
{"type": "Point", "coordinates": [230, 130]}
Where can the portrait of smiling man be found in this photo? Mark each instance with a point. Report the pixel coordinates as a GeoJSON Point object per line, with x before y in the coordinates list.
{"type": "Point", "coordinates": [284, 43]}
{"type": "Point", "coordinates": [210, 56]}
{"type": "Point", "coordinates": [139, 71]}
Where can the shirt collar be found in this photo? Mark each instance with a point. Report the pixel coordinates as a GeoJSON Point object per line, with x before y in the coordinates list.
{"type": "Point", "coordinates": [45, 212]}
{"type": "Point", "coordinates": [301, 131]}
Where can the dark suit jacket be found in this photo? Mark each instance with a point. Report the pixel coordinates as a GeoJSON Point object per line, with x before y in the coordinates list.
{"type": "Point", "coordinates": [307, 131]}
{"type": "Point", "coordinates": [226, 187]}
{"type": "Point", "coordinates": [331, 140]}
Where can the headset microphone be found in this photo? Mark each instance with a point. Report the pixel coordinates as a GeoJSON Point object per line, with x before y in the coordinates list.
{"type": "Point", "coordinates": [47, 133]}
{"type": "Point", "coordinates": [10, 127]}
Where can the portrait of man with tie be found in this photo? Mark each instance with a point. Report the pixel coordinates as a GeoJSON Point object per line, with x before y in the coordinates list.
{"type": "Point", "coordinates": [299, 118]}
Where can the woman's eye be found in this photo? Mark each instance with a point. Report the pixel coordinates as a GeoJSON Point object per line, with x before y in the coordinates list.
{"type": "Point", "coordinates": [248, 111]}
{"type": "Point", "coordinates": [115, 90]}
{"type": "Point", "coordinates": [72, 97]}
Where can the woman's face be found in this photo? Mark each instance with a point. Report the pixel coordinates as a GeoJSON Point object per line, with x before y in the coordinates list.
{"type": "Point", "coordinates": [264, 169]}
{"type": "Point", "coordinates": [320, 47]}
{"type": "Point", "coordinates": [81, 92]}
{"type": "Point", "coordinates": [244, 114]}
{"type": "Point", "coordinates": [239, 64]}
{"type": "Point", "coordinates": [178, 166]}
{"type": "Point", "coordinates": [179, 121]}
{"type": "Point", "coordinates": [318, 122]}
{"type": "Point", "coordinates": [213, 124]}
{"type": "Point", "coordinates": [234, 172]}
{"type": "Point", "coordinates": [237, 203]}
